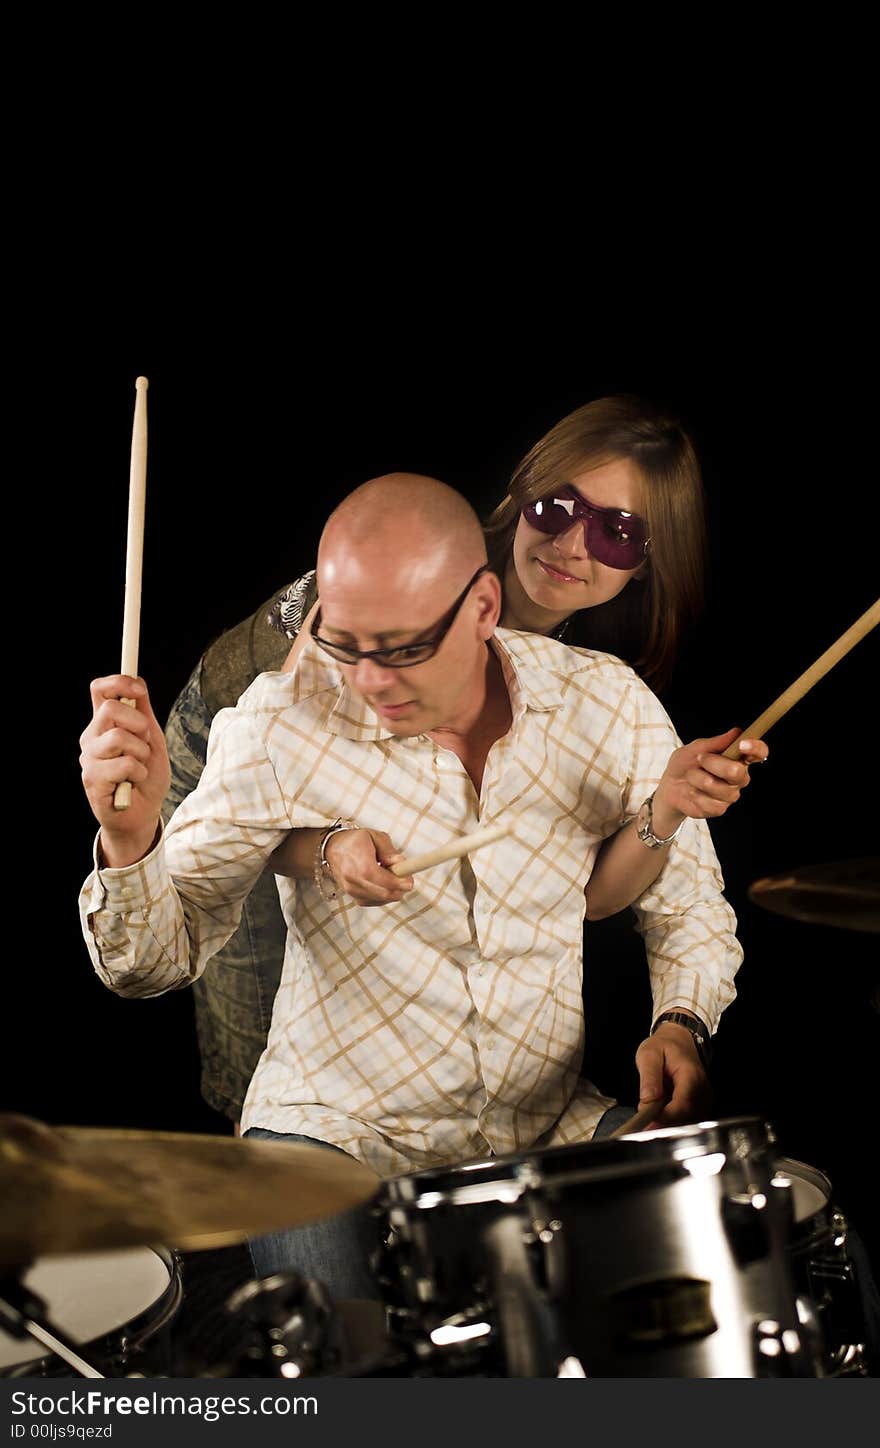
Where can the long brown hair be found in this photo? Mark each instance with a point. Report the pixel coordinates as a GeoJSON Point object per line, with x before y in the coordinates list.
{"type": "Point", "coordinates": [645, 622]}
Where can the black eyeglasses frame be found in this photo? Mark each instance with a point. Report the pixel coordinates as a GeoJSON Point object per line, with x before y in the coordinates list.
{"type": "Point", "coordinates": [342, 655]}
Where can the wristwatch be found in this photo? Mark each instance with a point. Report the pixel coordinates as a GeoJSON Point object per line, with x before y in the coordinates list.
{"type": "Point", "coordinates": [645, 827]}
{"type": "Point", "coordinates": [699, 1032]}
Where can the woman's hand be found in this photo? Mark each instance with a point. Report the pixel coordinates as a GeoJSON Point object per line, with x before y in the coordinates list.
{"type": "Point", "coordinates": [359, 863]}
{"type": "Point", "coordinates": [699, 783]}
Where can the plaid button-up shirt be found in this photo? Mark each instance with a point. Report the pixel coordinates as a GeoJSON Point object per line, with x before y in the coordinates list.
{"type": "Point", "coordinates": [448, 1025]}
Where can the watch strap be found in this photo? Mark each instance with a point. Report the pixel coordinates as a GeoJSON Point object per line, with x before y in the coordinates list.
{"type": "Point", "coordinates": [700, 1033]}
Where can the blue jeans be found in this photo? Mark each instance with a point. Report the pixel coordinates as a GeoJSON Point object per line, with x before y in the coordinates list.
{"type": "Point", "coordinates": [338, 1250]}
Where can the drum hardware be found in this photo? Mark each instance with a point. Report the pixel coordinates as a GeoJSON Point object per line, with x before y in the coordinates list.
{"type": "Point", "coordinates": [689, 1251]}
{"type": "Point", "coordinates": [745, 1226]}
{"type": "Point", "coordinates": [660, 1311]}
{"type": "Point", "coordinates": [100, 1314]}
{"type": "Point", "coordinates": [824, 1275]}
{"type": "Point", "coordinates": [778, 1351]}
{"type": "Point", "coordinates": [846, 894]}
{"type": "Point", "coordinates": [526, 1327]}
{"type": "Point", "coordinates": [287, 1325]}
{"type": "Point", "coordinates": [23, 1317]}
{"type": "Point", "coordinates": [459, 1342]}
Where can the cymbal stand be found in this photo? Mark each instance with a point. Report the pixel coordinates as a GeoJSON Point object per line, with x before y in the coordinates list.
{"type": "Point", "coordinates": [22, 1314]}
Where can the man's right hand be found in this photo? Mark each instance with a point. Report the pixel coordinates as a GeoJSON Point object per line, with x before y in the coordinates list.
{"type": "Point", "coordinates": [124, 743]}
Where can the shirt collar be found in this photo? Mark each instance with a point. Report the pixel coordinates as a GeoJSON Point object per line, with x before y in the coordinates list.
{"type": "Point", "coordinates": [529, 673]}
{"type": "Point", "coordinates": [531, 681]}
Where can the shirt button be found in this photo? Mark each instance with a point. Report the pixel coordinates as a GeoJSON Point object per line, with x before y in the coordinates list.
{"type": "Point", "coordinates": [490, 1043]}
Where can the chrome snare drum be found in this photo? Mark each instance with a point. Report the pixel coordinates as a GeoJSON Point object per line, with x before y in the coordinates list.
{"type": "Point", "coordinates": [662, 1254]}
{"type": "Point", "coordinates": [117, 1306]}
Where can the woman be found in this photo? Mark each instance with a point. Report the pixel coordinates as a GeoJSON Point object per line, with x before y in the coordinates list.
{"type": "Point", "coordinates": [601, 542]}
{"type": "Point", "coordinates": [645, 586]}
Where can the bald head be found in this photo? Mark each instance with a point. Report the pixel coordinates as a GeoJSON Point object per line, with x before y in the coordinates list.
{"type": "Point", "coordinates": [402, 564]}
{"type": "Point", "coordinates": [401, 531]}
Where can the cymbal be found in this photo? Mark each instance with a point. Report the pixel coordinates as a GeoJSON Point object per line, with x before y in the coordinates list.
{"type": "Point", "coordinates": [73, 1189]}
{"type": "Point", "coordinates": [846, 893]}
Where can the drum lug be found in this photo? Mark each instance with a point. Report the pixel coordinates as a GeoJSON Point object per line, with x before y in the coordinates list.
{"type": "Point", "coordinates": [744, 1216]}
{"type": "Point", "coordinates": [778, 1352]}
{"type": "Point", "coordinates": [811, 1330]}
{"type": "Point", "coordinates": [541, 1231]}
{"type": "Point", "coordinates": [525, 1328]}
{"type": "Point", "coordinates": [839, 1227]}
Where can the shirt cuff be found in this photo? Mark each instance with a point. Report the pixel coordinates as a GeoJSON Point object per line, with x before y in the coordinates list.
{"type": "Point", "coordinates": [126, 888]}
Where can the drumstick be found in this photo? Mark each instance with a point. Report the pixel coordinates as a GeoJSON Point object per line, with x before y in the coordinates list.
{"type": "Point", "coordinates": [131, 619]}
{"type": "Point", "coordinates": [869, 619]}
{"type": "Point", "coordinates": [453, 851]}
{"type": "Point", "coordinates": [644, 1114]}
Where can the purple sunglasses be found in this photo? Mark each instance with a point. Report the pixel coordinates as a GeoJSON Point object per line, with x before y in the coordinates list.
{"type": "Point", "coordinates": [616, 538]}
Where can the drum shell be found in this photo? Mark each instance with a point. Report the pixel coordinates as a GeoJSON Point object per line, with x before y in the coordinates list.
{"type": "Point", "coordinates": [671, 1273]}
{"type": "Point", "coordinates": [657, 1255]}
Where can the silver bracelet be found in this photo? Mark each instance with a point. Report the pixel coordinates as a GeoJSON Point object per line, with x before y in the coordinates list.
{"type": "Point", "coordinates": [645, 827]}
{"type": "Point", "coordinates": [322, 872]}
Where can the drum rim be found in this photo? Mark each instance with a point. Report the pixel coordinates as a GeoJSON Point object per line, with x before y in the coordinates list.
{"type": "Point", "coordinates": [132, 1333]}
{"type": "Point", "coordinates": [804, 1169]}
{"type": "Point", "coordinates": [516, 1172]}
{"type": "Point", "coordinates": [790, 1166]}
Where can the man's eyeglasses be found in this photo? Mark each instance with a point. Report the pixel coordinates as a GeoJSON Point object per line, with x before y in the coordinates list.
{"type": "Point", "coordinates": [403, 656]}
{"type": "Point", "coordinates": [616, 538]}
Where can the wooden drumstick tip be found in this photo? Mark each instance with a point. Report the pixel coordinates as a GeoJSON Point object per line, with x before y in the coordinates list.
{"type": "Point", "coordinates": [141, 384]}
{"type": "Point", "coordinates": [645, 1113]}
{"type": "Point", "coordinates": [453, 850]}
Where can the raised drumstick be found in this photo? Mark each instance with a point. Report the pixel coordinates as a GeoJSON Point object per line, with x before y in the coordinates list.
{"type": "Point", "coordinates": [453, 851]}
{"type": "Point", "coordinates": [869, 619]}
{"type": "Point", "coordinates": [134, 555]}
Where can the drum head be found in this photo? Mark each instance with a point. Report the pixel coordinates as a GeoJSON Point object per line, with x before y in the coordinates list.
{"type": "Point", "coordinates": [89, 1294]}
{"type": "Point", "coordinates": [811, 1189]}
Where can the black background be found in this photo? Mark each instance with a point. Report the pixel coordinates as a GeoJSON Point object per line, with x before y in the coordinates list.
{"type": "Point", "coordinates": [262, 416]}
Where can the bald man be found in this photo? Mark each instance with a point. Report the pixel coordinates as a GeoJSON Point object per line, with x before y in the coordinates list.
{"type": "Point", "coordinates": [449, 1024]}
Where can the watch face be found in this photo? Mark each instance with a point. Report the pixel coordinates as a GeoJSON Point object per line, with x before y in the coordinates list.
{"type": "Point", "coordinates": [643, 820]}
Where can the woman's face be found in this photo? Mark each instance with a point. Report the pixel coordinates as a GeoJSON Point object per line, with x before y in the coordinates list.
{"type": "Point", "coordinates": [559, 573]}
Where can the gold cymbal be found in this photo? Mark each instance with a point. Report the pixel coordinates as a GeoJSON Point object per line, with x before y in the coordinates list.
{"type": "Point", "coordinates": [846, 893]}
{"type": "Point", "coordinates": [73, 1189]}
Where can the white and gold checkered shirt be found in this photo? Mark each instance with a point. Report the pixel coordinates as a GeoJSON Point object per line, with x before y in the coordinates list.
{"type": "Point", "coordinates": [448, 1025]}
